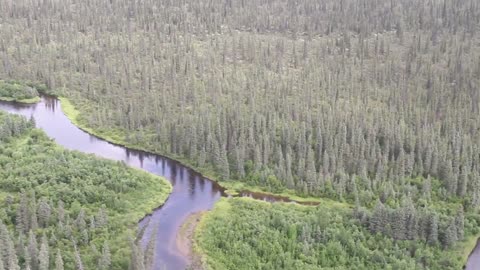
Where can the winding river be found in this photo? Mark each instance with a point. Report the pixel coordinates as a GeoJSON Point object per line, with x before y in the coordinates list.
{"type": "Point", "coordinates": [191, 192]}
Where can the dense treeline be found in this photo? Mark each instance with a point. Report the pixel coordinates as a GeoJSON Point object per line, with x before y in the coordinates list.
{"type": "Point", "coordinates": [12, 126]}
{"type": "Point", "coordinates": [247, 234]}
{"type": "Point", "coordinates": [16, 91]}
{"type": "Point", "coordinates": [368, 101]}
{"type": "Point", "coordinates": [66, 210]}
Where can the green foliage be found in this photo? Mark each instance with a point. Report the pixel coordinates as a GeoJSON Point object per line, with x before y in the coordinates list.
{"type": "Point", "coordinates": [17, 91]}
{"type": "Point", "coordinates": [373, 103]}
{"type": "Point", "coordinates": [67, 208]}
{"type": "Point", "coordinates": [247, 234]}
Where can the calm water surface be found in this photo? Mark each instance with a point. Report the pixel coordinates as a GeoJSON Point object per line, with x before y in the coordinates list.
{"type": "Point", "coordinates": [473, 262]}
{"type": "Point", "coordinates": [191, 191]}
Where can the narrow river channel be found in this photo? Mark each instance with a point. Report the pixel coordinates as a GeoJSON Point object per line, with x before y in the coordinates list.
{"type": "Point", "coordinates": [191, 193]}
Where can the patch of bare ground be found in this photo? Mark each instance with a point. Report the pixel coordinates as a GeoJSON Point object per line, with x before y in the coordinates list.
{"type": "Point", "coordinates": [185, 238]}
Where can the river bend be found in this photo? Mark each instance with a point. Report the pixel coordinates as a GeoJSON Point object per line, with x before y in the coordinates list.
{"type": "Point", "coordinates": [191, 192]}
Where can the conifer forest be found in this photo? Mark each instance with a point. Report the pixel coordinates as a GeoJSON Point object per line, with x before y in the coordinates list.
{"type": "Point", "coordinates": [65, 210]}
{"type": "Point", "coordinates": [369, 110]}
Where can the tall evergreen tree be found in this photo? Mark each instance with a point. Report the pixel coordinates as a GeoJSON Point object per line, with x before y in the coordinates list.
{"type": "Point", "coordinates": [105, 259]}
{"type": "Point", "coordinates": [33, 250]}
{"type": "Point", "coordinates": [44, 256]}
{"type": "Point", "coordinates": [432, 237]}
{"type": "Point", "coordinates": [59, 261]}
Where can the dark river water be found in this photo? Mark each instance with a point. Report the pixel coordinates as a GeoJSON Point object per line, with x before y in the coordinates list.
{"type": "Point", "coordinates": [191, 191]}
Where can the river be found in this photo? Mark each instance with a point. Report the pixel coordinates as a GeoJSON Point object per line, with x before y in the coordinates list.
{"type": "Point", "coordinates": [191, 192]}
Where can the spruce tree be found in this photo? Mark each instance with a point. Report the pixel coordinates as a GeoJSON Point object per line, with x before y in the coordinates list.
{"type": "Point", "coordinates": [78, 258]}
{"type": "Point", "coordinates": [44, 212]}
{"type": "Point", "coordinates": [59, 261]}
{"type": "Point", "coordinates": [460, 223]}
{"type": "Point", "coordinates": [43, 256]}
{"type": "Point", "coordinates": [450, 235]}
{"type": "Point", "coordinates": [432, 229]}
{"type": "Point", "coordinates": [105, 259]}
{"type": "Point", "coordinates": [379, 218]}
{"type": "Point", "coordinates": [12, 256]}
{"type": "Point", "coordinates": [33, 250]}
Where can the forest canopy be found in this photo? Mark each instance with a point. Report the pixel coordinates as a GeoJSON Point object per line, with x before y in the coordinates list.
{"type": "Point", "coordinates": [241, 233]}
{"type": "Point", "coordinates": [301, 98]}
{"type": "Point", "coordinates": [17, 91]}
{"type": "Point", "coordinates": [371, 103]}
{"type": "Point", "coordinates": [62, 209]}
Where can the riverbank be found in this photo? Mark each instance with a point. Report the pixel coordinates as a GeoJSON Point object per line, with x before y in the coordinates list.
{"type": "Point", "coordinates": [191, 192]}
{"type": "Point", "coordinates": [241, 233]}
{"type": "Point", "coordinates": [468, 246]}
{"type": "Point", "coordinates": [185, 241]}
{"type": "Point", "coordinates": [234, 188]}
{"type": "Point", "coordinates": [99, 201]}
{"type": "Point", "coordinates": [20, 92]}
{"type": "Point", "coordinates": [117, 137]}
{"type": "Point", "coordinates": [221, 209]}
{"type": "Point", "coordinates": [24, 101]}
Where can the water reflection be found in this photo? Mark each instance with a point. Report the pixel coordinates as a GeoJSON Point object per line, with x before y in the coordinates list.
{"type": "Point", "coordinates": [185, 199]}
{"type": "Point", "coordinates": [191, 191]}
